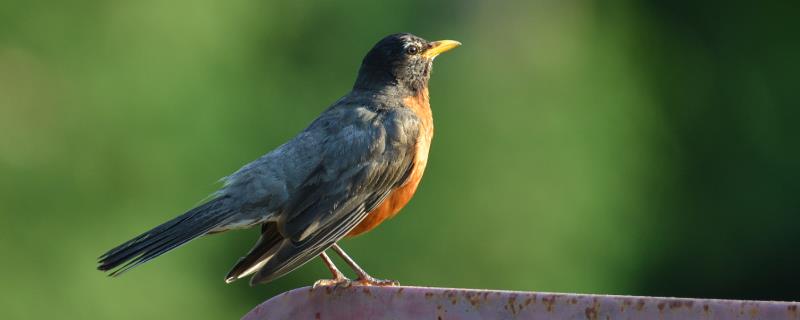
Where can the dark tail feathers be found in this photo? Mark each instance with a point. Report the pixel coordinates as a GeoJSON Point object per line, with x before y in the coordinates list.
{"type": "Point", "coordinates": [165, 237]}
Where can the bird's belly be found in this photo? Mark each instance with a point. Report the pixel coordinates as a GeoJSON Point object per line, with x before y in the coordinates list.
{"type": "Point", "coordinates": [393, 203]}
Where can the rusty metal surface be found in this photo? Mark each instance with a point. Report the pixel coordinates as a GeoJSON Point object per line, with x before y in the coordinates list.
{"type": "Point", "coordinates": [442, 303]}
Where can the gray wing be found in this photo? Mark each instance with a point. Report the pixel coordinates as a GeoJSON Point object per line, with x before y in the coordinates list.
{"type": "Point", "coordinates": [358, 157]}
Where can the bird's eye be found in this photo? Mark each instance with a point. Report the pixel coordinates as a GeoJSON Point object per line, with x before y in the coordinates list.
{"type": "Point", "coordinates": [412, 50]}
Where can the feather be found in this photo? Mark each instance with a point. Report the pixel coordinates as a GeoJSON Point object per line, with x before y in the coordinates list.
{"type": "Point", "coordinates": [165, 237]}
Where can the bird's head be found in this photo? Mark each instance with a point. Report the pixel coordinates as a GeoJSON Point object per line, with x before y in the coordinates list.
{"type": "Point", "coordinates": [401, 60]}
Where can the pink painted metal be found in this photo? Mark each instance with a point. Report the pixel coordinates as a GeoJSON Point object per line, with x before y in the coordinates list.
{"type": "Point", "coordinates": [441, 303]}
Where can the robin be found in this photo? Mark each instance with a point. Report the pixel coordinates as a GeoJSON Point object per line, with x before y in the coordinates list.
{"type": "Point", "coordinates": [355, 166]}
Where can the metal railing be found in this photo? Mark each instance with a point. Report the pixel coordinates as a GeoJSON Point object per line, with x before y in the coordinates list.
{"type": "Point", "coordinates": [442, 303]}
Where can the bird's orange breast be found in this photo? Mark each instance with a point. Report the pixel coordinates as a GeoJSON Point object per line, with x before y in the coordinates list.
{"type": "Point", "coordinates": [400, 196]}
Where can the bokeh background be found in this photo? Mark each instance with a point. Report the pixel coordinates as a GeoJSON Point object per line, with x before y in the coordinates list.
{"type": "Point", "coordinates": [622, 147]}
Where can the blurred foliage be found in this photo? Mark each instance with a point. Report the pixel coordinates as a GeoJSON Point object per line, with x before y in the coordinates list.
{"type": "Point", "coordinates": [583, 146]}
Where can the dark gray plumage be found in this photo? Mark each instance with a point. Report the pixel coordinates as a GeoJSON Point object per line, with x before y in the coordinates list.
{"type": "Point", "coordinates": [348, 170]}
{"type": "Point", "coordinates": [311, 191]}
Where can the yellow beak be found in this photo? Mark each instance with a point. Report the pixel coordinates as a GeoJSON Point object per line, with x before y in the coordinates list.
{"type": "Point", "coordinates": [438, 47]}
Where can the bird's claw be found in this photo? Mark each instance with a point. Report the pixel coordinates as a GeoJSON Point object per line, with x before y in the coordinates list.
{"type": "Point", "coordinates": [339, 282]}
{"type": "Point", "coordinates": [370, 281]}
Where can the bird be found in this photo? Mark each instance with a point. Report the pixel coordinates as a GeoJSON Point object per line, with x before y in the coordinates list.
{"type": "Point", "coordinates": [356, 165]}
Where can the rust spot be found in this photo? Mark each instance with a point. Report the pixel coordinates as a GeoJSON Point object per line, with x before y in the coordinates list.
{"type": "Point", "coordinates": [512, 303]}
{"type": "Point", "coordinates": [428, 295]}
{"type": "Point", "coordinates": [573, 301]}
{"type": "Point", "coordinates": [400, 291]}
{"type": "Point", "coordinates": [639, 305]}
{"type": "Point", "coordinates": [661, 307]}
{"type": "Point", "coordinates": [528, 301]}
{"type": "Point", "coordinates": [366, 290]}
{"type": "Point", "coordinates": [754, 312]}
{"type": "Point", "coordinates": [474, 299]}
{"type": "Point", "coordinates": [317, 316]}
{"type": "Point", "coordinates": [438, 317]}
{"type": "Point", "coordinates": [328, 290]}
{"type": "Point", "coordinates": [627, 302]}
{"type": "Point", "coordinates": [792, 308]}
{"type": "Point", "coordinates": [549, 301]}
{"type": "Point", "coordinates": [675, 304]}
{"type": "Point", "coordinates": [705, 308]}
{"type": "Point", "coordinates": [591, 313]}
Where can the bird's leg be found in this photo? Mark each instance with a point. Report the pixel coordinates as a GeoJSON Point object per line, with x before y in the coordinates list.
{"type": "Point", "coordinates": [338, 276]}
{"type": "Point", "coordinates": [363, 277]}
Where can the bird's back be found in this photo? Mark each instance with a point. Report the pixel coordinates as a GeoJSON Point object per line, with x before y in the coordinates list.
{"type": "Point", "coordinates": [355, 130]}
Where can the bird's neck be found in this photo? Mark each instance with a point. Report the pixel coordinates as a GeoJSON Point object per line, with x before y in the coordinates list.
{"type": "Point", "coordinates": [419, 100]}
{"type": "Point", "coordinates": [420, 104]}
{"type": "Point", "coordinates": [383, 82]}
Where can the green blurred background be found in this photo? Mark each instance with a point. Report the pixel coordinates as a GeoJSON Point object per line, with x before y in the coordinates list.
{"type": "Point", "coordinates": [625, 147]}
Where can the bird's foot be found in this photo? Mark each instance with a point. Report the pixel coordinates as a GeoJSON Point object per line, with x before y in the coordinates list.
{"type": "Point", "coordinates": [363, 279]}
{"type": "Point", "coordinates": [346, 283]}
{"type": "Point", "coordinates": [342, 282]}
{"type": "Point", "coordinates": [370, 281]}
